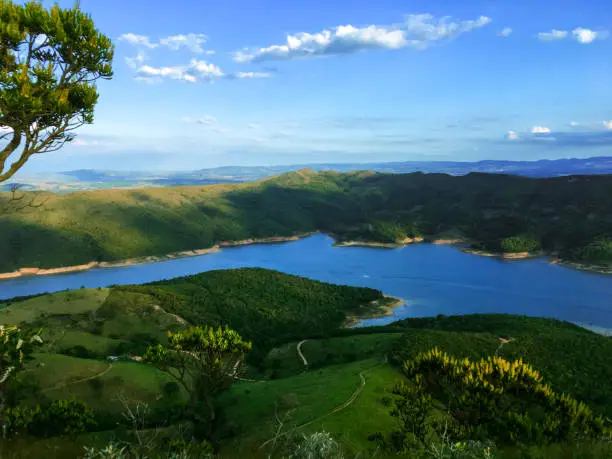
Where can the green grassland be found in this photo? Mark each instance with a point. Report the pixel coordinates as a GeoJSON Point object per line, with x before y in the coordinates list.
{"type": "Point", "coordinates": [565, 215]}
{"type": "Point", "coordinates": [344, 390]}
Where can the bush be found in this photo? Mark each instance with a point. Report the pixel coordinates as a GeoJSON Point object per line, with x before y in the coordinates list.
{"type": "Point", "coordinates": [496, 399]}
{"type": "Point", "coordinates": [57, 418]}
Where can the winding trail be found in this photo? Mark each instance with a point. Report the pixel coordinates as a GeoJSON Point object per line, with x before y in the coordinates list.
{"type": "Point", "coordinates": [299, 351]}
{"type": "Point", "coordinates": [89, 378]}
{"type": "Point", "coordinates": [337, 409]}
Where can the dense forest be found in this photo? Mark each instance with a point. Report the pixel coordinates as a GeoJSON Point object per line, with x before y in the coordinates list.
{"type": "Point", "coordinates": [569, 216]}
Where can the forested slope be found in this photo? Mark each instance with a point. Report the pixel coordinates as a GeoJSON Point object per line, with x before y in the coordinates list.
{"type": "Point", "coordinates": [569, 215]}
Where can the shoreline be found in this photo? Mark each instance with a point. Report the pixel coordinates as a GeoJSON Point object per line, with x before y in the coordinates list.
{"type": "Point", "coordinates": [30, 272]}
{"type": "Point", "coordinates": [503, 255]}
{"type": "Point", "coordinates": [380, 245]}
{"type": "Point", "coordinates": [386, 310]}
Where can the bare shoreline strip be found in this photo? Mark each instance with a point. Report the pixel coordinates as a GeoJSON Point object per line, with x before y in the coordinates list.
{"type": "Point", "coordinates": [23, 272]}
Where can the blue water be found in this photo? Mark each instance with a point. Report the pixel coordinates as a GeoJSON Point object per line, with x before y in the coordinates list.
{"type": "Point", "coordinates": [433, 279]}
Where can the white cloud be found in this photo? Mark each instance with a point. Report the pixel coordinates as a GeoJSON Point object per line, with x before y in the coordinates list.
{"type": "Point", "coordinates": [253, 126]}
{"type": "Point", "coordinates": [418, 31]}
{"type": "Point", "coordinates": [573, 123]}
{"type": "Point", "coordinates": [554, 34]}
{"type": "Point", "coordinates": [137, 40]}
{"type": "Point", "coordinates": [586, 36]}
{"type": "Point", "coordinates": [580, 34]}
{"type": "Point", "coordinates": [512, 135]}
{"type": "Point", "coordinates": [193, 72]}
{"type": "Point", "coordinates": [607, 124]}
{"type": "Point", "coordinates": [85, 143]}
{"type": "Point", "coordinates": [249, 75]}
{"type": "Point", "coordinates": [136, 61]}
{"type": "Point", "coordinates": [258, 139]}
{"type": "Point", "coordinates": [191, 41]}
{"type": "Point", "coordinates": [506, 32]}
{"type": "Point", "coordinates": [540, 130]}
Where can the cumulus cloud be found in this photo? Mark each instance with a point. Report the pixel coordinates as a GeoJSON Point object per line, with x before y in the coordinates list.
{"type": "Point", "coordinates": [138, 40]}
{"type": "Point", "coordinates": [191, 41]}
{"type": "Point", "coordinates": [512, 135]}
{"type": "Point", "coordinates": [418, 31]}
{"type": "Point", "coordinates": [580, 34]}
{"type": "Point", "coordinates": [540, 130]}
{"type": "Point", "coordinates": [573, 123]}
{"type": "Point", "coordinates": [586, 36]}
{"type": "Point", "coordinates": [506, 32]}
{"type": "Point", "coordinates": [607, 124]}
{"type": "Point", "coordinates": [194, 72]}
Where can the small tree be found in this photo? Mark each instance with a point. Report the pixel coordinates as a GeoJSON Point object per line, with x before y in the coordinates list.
{"type": "Point", "coordinates": [49, 63]}
{"type": "Point", "coordinates": [16, 347]}
{"type": "Point", "coordinates": [205, 361]}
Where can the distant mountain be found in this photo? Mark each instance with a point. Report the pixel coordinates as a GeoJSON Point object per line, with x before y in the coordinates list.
{"type": "Point", "coordinates": [85, 179]}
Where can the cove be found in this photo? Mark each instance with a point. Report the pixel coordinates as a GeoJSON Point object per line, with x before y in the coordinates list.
{"type": "Point", "coordinates": [433, 279]}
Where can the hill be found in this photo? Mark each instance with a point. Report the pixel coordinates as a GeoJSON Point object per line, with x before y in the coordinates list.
{"type": "Point", "coordinates": [87, 179]}
{"type": "Point", "coordinates": [568, 215]}
{"type": "Point", "coordinates": [306, 372]}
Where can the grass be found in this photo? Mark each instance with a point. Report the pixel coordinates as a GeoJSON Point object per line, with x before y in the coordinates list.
{"type": "Point", "coordinates": [249, 413]}
{"type": "Point", "coordinates": [131, 381]}
{"type": "Point", "coordinates": [284, 361]}
{"type": "Point", "coordinates": [69, 302]}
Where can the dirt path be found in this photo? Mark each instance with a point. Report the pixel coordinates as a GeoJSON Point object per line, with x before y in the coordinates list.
{"type": "Point", "coordinates": [62, 385]}
{"type": "Point", "coordinates": [299, 351]}
{"type": "Point", "coordinates": [337, 409]}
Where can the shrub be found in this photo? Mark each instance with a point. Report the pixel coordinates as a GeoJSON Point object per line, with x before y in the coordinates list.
{"type": "Point", "coordinates": [496, 399]}
{"type": "Point", "coordinates": [57, 418]}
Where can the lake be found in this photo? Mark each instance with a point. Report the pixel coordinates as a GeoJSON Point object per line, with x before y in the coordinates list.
{"type": "Point", "coordinates": [433, 279]}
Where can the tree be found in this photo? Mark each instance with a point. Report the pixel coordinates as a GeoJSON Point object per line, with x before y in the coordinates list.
{"type": "Point", "coordinates": [16, 347]}
{"type": "Point", "coordinates": [205, 361]}
{"type": "Point", "coordinates": [49, 63]}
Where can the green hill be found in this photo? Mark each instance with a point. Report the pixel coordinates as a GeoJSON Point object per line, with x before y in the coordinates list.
{"type": "Point", "coordinates": [340, 381]}
{"type": "Point", "coordinates": [569, 215]}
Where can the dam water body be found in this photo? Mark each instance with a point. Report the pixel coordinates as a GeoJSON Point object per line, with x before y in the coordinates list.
{"type": "Point", "coordinates": [433, 279]}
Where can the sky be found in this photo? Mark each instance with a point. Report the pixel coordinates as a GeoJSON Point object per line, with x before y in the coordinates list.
{"type": "Point", "coordinates": [204, 83]}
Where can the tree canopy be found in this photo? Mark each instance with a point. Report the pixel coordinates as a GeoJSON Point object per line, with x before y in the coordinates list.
{"type": "Point", "coordinates": [204, 360]}
{"type": "Point", "coordinates": [49, 63]}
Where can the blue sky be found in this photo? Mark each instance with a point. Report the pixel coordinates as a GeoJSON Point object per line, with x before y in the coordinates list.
{"type": "Point", "coordinates": [208, 83]}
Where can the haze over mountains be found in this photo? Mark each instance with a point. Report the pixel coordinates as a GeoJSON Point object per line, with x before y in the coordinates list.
{"type": "Point", "coordinates": [87, 179]}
